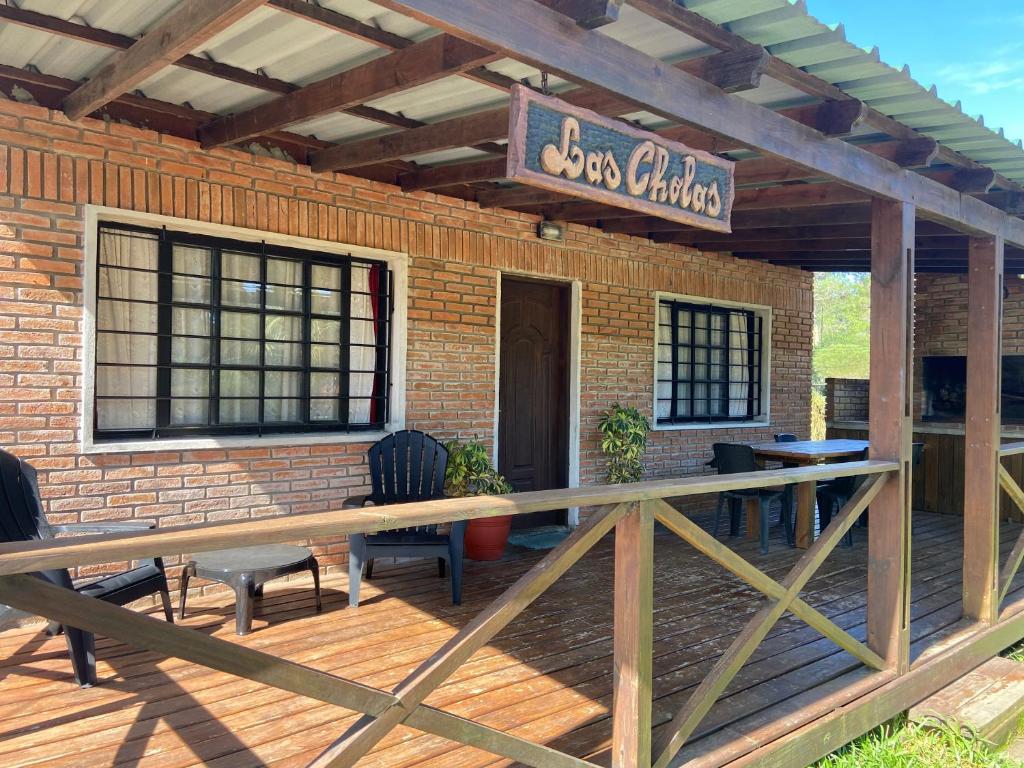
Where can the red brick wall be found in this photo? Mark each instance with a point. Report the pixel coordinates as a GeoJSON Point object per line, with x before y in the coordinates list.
{"type": "Point", "coordinates": [51, 168]}
{"type": "Point", "coordinates": [846, 400]}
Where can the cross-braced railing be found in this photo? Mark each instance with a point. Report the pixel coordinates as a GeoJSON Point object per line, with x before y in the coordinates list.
{"type": "Point", "coordinates": [1016, 494]}
{"type": "Point", "coordinates": [629, 509]}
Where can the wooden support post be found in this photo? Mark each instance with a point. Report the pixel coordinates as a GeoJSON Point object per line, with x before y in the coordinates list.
{"type": "Point", "coordinates": [634, 630]}
{"type": "Point", "coordinates": [891, 428]}
{"type": "Point", "coordinates": [981, 451]}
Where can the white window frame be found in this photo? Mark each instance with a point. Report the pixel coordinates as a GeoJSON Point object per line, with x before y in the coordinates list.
{"type": "Point", "coordinates": [764, 312]}
{"type": "Point", "coordinates": [398, 264]}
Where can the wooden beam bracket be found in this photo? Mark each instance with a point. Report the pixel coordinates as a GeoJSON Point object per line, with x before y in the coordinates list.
{"type": "Point", "coordinates": [589, 14]}
{"type": "Point", "coordinates": [737, 70]}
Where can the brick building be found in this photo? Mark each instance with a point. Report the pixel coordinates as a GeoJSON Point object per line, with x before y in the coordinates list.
{"type": "Point", "coordinates": [58, 175]}
{"type": "Point", "coordinates": [243, 240]}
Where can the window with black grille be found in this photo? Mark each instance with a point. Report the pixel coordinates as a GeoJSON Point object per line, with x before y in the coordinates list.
{"type": "Point", "coordinates": [709, 363]}
{"type": "Point", "coordinates": [200, 336]}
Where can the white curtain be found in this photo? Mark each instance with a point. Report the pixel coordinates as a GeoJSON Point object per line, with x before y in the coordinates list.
{"type": "Point", "coordinates": [190, 344]}
{"type": "Point", "coordinates": [739, 362]}
{"type": "Point", "coordinates": [362, 359]}
{"type": "Point", "coordinates": [663, 404]}
{"type": "Point", "coordinates": [126, 362]}
{"type": "Point", "coordinates": [283, 347]}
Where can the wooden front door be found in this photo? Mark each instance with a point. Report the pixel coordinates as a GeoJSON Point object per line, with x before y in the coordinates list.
{"type": "Point", "coordinates": [533, 393]}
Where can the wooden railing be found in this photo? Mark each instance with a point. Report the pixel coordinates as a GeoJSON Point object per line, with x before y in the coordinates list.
{"type": "Point", "coordinates": [1016, 494]}
{"type": "Point", "coordinates": [629, 509]}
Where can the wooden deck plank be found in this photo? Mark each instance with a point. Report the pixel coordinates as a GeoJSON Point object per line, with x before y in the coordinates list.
{"type": "Point", "coordinates": [547, 677]}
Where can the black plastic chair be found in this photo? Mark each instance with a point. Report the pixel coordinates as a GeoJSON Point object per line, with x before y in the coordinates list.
{"type": "Point", "coordinates": [789, 500]}
{"type": "Point", "coordinates": [22, 519]}
{"type": "Point", "coordinates": [731, 458]}
{"type": "Point", "coordinates": [916, 457]}
{"type": "Point", "coordinates": [834, 495]}
{"type": "Point", "coordinates": [405, 466]}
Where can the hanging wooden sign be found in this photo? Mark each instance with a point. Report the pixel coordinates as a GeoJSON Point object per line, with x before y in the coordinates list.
{"type": "Point", "coordinates": [566, 149]}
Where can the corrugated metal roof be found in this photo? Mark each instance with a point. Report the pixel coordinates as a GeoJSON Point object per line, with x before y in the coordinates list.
{"type": "Point", "coordinates": [300, 51]}
{"type": "Point", "coordinates": [786, 29]}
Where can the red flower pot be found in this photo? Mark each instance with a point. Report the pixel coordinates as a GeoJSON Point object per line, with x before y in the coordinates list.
{"type": "Point", "coordinates": [486, 537]}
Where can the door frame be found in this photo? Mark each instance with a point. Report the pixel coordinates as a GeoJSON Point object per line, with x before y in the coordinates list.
{"type": "Point", "coordinates": [573, 399]}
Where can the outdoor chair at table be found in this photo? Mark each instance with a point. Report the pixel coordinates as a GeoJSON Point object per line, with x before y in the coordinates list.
{"type": "Point", "coordinates": [406, 466]}
{"type": "Point", "coordinates": [833, 495]}
{"type": "Point", "coordinates": [916, 457]}
{"type": "Point", "coordinates": [22, 519]}
{"type": "Point", "coordinates": [733, 458]}
{"type": "Point", "coordinates": [789, 500]}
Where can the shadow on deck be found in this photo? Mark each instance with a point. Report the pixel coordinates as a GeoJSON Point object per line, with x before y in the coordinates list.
{"type": "Point", "coordinates": [546, 677]}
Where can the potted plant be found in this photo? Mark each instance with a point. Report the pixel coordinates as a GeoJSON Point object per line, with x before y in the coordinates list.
{"type": "Point", "coordinates": [624, 441]}
{"type": "Point", "coordinates": [470, 473]}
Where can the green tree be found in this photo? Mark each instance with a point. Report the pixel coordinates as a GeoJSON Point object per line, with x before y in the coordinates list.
{"type": "Point", "coordinates": [842, 307]}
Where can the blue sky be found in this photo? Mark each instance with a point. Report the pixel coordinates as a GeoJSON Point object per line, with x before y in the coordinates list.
{"type": "Point", "coordinates": [973, 51]}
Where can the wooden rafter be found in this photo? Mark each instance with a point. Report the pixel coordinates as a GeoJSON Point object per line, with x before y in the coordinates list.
{"type": "Point", "coordinates": [368, 33]}
{"type": "Point", "coordinates": [696, 26]}
{"type": "Point", "coordinates": [186, 27]}
{"type": "Point", "coordinates": [339, 22]}
{"type": "Point", "coordinates": [450, 175]}
{"type": "Point", "coordinates": [118, 42]}
{"type": "Point", "coordinates": [421, 63]}
{"type": "Point", "coordinates": [492, 125]}
{"type": "Point", "coordinates": [823, 216]}
{"type": "Point", "coordinates": [107, 39]}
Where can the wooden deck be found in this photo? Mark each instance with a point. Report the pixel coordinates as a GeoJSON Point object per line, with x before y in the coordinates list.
{"type": "Point", "coordinates": [547, 677]}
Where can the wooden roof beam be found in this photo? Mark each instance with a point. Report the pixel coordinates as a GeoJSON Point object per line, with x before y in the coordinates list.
{"type": "Point", "coordinates": [808, 231]}
{"type": "Point", "coordinates": [696, 26]}
{"type": "Point", "coordinates": [820, 216]}
{"type": "Point", "coordinates": [118, 42]}
{"type": "Point", "coordinates": [795, 196]}
{"type": "Point", "coordinates": [533, 34]}
{"type": "Point", "coordinates": [472, 130]}
{"type": "Point", "coordinates": [821, 244]}
{"type": "Point", "coordinates": [424, 62]}
{"type": "Point", "coordinates": [107, 39]}
{"type": "Point", "coordinates": [173, 119]}
{"type": "Point", "coordinates": [339, 22]}
{"type": "Point", "coordinates": [188, 26]}
{"type": "Point", "coordinates": [452, 175]}
{"type": "Point", "coordinates": [466, 131]}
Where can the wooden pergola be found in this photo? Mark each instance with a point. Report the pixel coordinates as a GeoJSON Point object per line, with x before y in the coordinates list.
{"type": "Point", "coordinates": [807, 197]}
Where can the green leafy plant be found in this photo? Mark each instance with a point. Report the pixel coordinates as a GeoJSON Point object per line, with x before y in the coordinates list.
{"type": "Point", "coordinates": [624, 441]}
{"type": "Point", "coordinates": [470, 472]}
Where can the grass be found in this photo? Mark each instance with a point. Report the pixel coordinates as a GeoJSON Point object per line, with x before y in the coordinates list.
{"type": "Point", "coordinates": [901, 744]}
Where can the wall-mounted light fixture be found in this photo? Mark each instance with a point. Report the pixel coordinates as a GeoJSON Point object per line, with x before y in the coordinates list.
{"type": "Point", "coordinates": [549, 230]}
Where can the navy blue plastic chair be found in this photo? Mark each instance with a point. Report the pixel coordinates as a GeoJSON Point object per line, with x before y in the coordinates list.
{"type": "Point", "coordinates": [22, 519]}
{"type": "Point", "coordinates": [789, 500]}
{"type": "Point", "coordinates": [404, 467]}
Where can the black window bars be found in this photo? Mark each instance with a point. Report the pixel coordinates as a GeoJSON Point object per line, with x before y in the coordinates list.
{"type": "Point", "coordinates": [204, 336]}
{"type": "Point", "coordinates": [708, 363]}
